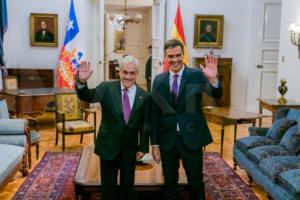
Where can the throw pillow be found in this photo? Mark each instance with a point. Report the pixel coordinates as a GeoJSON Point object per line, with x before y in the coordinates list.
{"type": "Point", "coordinates": [278, 128]}
{"type": "Point", "coordinates": [291, 139]}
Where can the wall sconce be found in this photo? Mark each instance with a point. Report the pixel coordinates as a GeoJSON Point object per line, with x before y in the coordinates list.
{"type": "Point", "coordinates": [295, 35]}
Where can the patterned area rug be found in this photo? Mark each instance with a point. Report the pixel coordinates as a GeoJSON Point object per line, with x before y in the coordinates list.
{"type": "Point", "coordinates": [52, 179]}
{"type": "Point", "coordinates": [223, 182]}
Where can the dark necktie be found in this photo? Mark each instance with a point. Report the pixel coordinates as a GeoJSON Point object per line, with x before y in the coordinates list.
{"type": "Point", "coordinates": [126, 106]}
{"type": "Point", "coordinates": [175, 87]}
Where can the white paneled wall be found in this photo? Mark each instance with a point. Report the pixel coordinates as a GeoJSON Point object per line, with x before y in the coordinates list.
{"type": "Point", "coordinates": [289, 63]}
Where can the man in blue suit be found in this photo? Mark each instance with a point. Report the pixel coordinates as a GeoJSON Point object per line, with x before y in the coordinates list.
{"type": "Point", "coordinates": [178, 126]}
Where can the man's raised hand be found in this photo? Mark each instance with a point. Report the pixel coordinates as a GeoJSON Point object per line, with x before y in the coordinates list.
{"type": "Point", "coordinates": [211, 68]}
{"type": "Point", "coordinates": [84, 71]}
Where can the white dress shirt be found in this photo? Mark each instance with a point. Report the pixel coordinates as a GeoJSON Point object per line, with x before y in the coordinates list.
{"type": "Point", "coordinates": [130, 92]}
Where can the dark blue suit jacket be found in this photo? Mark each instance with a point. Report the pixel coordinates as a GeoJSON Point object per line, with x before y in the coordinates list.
{"type": "Point", "coordinates": [187, 112]}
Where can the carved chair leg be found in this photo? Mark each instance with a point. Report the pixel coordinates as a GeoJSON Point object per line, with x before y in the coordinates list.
{"type": "Point", "coordinates": [63, 142]}
{"type": "Point", "coordinates": [37, 151]}
{"type": "Point", "coordinates": [234, 164]}
{"type": "Point", "coordinates": [81, 138]}
{"type": "Point", "coordinates": [29, 158]}
{"type": "Point", "coordinates": [56, 138]}
{"type": "Point", "coordinates": [24, 169]}
{"type": "Point", "coordinates": [250, 180]}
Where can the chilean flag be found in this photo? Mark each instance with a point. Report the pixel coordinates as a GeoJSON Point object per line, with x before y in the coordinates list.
{"type": "Point", "coordinates": [70, 54]}
{"type": "Point", "coordinates": [3, 28]}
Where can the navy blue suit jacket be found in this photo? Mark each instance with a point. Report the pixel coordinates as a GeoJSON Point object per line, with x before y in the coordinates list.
{"type": "Point", "coordinates": [187, 112]}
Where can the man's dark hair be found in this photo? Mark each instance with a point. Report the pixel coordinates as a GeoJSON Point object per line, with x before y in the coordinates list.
{"type": "Point", "coordinates": [170, 44]}
{"type": "Point", "coordinates": [150, 47]}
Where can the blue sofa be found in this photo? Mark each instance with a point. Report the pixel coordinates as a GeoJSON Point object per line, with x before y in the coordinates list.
{"type": "Point", "coordinates": [14, 145]}
{"type": "Point", "coordinates": [271, 156]}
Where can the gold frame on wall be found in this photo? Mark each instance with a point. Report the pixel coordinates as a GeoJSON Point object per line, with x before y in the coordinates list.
{"type": "Point", "coordinates": [212, 24]}
{"type": "Point", "coordinates": [35, 30]}
{"type": "Point", "coordinates": [120, 41]}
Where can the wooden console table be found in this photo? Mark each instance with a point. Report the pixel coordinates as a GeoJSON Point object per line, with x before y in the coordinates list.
{"type": "Point", "coordinates": [29, 101]}
{"type": "Point", "coordinates": [272, 105]}
{"type": "Point", "coordinates": [229, 116]}
{"type": "Point", "coordinates": [147, 177]}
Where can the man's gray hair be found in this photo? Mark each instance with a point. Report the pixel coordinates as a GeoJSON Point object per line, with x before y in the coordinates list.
{"type": "Point", "coordinates": [130, 59]}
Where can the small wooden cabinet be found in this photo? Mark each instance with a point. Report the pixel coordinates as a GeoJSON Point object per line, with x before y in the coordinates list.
{"type": "Point", "coordinates": [224, 76]}
{"type": "Point", "coordinates": [33, 78]}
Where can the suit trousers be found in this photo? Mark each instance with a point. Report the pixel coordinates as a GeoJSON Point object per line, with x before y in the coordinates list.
{"type": "Point", "coordinates": [148, 86]}
{"type": "Point", "coordinates": [109, 174]}
{"type": "Point", "coordinates": [192, 163]}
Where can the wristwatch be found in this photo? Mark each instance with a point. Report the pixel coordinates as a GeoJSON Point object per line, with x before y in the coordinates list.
{"type": "Point", "coordinates": [80, 82]}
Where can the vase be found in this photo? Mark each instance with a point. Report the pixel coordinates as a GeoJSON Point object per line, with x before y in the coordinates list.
{"type": "Point", "coordinates": [282, 89]}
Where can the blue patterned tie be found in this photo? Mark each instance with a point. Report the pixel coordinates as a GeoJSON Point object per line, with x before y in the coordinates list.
{"type": "Point", "coordinates": [175, 87]}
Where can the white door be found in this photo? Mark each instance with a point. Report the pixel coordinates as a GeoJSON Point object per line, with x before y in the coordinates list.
{"type": "Point", "coordinates": [97, 35]}
{"type": "Point", "coordinates": [269, 48]}
{"type": "Point", "coordinates": [100, 37]}
{"type": "Point", "coordinates": [138, 37]}
{"type": "Point", "coordinates": [263, 81]}
{"type": "Point", "coordinates": [158, 31]}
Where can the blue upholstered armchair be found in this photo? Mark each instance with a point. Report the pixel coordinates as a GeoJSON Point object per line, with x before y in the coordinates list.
{"type": "Point", "coordinates": [14, 145]}
{"type": "Point", "coordinates": [34, 135]}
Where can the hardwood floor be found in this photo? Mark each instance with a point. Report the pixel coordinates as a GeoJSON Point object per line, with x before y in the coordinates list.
{"type": "Point", "coordinates": [47, 143]}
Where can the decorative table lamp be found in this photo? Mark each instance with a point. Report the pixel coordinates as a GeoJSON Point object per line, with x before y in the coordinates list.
{"type": "Point", "coordinates": [282, 89]}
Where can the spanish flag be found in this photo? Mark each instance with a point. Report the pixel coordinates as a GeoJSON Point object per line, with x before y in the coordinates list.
{"type": "Point", "coordinates": [178, 34]}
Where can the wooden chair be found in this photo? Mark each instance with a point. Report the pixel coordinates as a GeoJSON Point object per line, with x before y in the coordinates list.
{"type": "Point", "coordinates": [10, 82]}
{"type": "Point", "coordinates": [69, 118]}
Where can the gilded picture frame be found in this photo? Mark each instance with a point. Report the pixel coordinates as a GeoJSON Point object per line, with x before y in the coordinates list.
{"type": "Point", "coordinates": [208, 31]}
{"type": "Point", "coordinates": [43, 30]}
{"type": "Point", "coordinates": [120, 41]}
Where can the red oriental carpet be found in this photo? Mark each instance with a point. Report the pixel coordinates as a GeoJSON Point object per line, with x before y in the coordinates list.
{"type": "Point", "coordinates": [52, 179]}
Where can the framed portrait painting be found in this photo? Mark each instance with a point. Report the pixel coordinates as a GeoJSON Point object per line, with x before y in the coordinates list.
{"type": "Point", "coordinates": [120, 41]}
{"type": "Point", "coordinates": [208, 32]}
{"type": "Point", "coordinates": [43, 30]}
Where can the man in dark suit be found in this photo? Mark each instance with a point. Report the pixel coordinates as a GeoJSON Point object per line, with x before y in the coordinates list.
{"type": "Point", "coordinates": [148, 74]}
{"type": "Point", "coordinates": [178, 126]}
{"type": "Point", "coordinates": [43, 35]}
{"type": "Point", "coordinates": [123, 134]}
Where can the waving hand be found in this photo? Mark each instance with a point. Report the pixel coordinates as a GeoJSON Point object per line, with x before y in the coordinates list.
{"type": "Point", "coordinates": [211, 68]}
